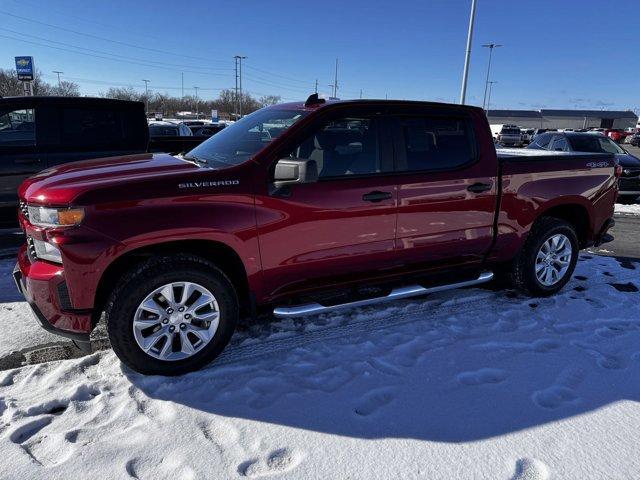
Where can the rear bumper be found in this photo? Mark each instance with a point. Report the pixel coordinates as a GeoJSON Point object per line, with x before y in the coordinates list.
{"type": "Point", "coordinates": [43, 285]}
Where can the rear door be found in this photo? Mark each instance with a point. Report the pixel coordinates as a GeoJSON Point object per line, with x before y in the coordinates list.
{"type": "Point", "coordinates": [341, 227]}
{"type": "Point", "coordinates": [446, 187]}
{"type": "Point", "coordinates": [20, 156]}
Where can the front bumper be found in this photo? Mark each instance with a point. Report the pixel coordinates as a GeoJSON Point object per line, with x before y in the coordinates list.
{"type": "Point", "coordinates": [43, 286]}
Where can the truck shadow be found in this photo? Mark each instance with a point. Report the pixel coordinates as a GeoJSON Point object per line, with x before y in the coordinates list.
{"type": "Point", "coordinates": [490, 365]}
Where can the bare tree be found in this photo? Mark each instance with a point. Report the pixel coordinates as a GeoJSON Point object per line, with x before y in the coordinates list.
{"type": "Point", "coordinates": [66, 89]}
{"type": "Point", "coordinates": [269, 100]}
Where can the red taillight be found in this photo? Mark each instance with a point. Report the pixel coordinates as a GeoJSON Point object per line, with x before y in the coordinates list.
{"type": "Point", "coordinates": [618, 171]}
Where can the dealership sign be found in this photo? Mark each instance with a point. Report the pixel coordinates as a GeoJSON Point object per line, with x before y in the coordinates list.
{"type": "Point", "coordinates": [24, 68]}
{"type": "Point", "coordinates": [214, 116]}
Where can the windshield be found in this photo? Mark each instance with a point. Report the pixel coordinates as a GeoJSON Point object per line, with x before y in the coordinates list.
{"type": "Point", "coordinates": [510, 131]}
{"type": "Point", "coordinates": [594, 144]}
{"type": "Point", "coordinates": [242, 140]}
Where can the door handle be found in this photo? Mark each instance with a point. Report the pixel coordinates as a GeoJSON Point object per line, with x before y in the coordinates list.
{"type": "Point", "coordinates": [376, 196]}
{"type": "Point", "coordinates": [479, 187]}
{"type": "Point", "coordinates": [26, 161]}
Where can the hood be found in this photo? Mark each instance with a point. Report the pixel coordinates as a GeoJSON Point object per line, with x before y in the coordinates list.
{"type": "Point", "coordinates": [627, 160]}
{"type": "Point", "coordinates": [60, 185]}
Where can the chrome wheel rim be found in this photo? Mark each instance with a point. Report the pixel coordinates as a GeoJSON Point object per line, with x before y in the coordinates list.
{"type": "Point", "coordinates": [553, 260]}
{"type": "Point", "coordinates": [176, 321]}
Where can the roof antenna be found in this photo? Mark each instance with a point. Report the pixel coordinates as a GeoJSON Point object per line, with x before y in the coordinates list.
{"type": "Point", "coordinates": [314, 99]}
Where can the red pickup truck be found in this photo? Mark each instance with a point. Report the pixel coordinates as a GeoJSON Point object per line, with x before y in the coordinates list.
{"type": "Point", "coordinates": [299, 209]}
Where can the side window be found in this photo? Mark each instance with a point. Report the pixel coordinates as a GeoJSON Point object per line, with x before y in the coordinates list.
{"type": "Point", "coordinates": [92, 127]}
{"type": "Point", "coordinates": [436, 143]}
{"type": "Point", "coordinates": [343, 147]}
{"type": "Point", "coordinates": [17, 127]}
{"type": "Point", "coordinates": [559, 144]}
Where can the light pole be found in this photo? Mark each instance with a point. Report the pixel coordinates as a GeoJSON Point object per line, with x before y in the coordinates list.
{"type": "Point", "coordinates": [58, 73]}
{"type": "Point", "coordinates": [239, 59]}
{"type": "Point", "coordinates": [490, 46]}
{"type": "Point", "coordinates": [146, 94]}
{"type": "Point", "coordinates": [197, 112]}
{"type": "Point", "coordinates": [467, 57]}
{"type": "Point", "coordinates": [489, 98]}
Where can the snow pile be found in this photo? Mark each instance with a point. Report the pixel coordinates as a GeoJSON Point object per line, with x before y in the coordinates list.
{"type": "Point", "coordinates": [628, 209]}
{"type": "Point", "coordinates": [468, 384]}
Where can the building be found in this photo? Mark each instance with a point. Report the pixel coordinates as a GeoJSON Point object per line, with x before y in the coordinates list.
{"type": "Point", "coordinates": [564, 118]}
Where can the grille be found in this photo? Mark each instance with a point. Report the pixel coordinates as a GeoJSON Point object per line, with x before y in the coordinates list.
{"type": "Point", "coordinates": [24, 210]}
{"type": "Point", "coordinates": [31, 250]}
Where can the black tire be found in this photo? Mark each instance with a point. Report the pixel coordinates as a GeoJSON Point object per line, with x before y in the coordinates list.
{"type": "Point", "coordinates": [627, 199]}
{"type": "Point", "coordinates": [143, 279]}
{"type": "Point", "coordinates": [523, 275]}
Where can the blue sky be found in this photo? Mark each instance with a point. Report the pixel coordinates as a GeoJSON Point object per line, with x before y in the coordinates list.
{"type": "Point", "coordinates": [556, 54]}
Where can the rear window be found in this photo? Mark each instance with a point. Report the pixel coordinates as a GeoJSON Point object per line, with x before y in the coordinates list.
{"type": "Point", "coordinates": [594, 144]}
{"type": "Point", "coordinates": [436, 143]}
{"type": "Point", "coordinates": [510, 131]}
{"type": "Point", "coordinates": [163, 131]}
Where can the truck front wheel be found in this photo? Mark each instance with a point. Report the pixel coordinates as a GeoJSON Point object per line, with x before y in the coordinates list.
{"type": "Point", "coordinates": [171, 315]}
{"type": "Point", "coordinates": [548, 258]}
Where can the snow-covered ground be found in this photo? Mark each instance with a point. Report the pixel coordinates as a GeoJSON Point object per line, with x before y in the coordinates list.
{"type": "Point", "coordinates": [628, 209]}
{"type": "Point", "coordinates": [472, 384]}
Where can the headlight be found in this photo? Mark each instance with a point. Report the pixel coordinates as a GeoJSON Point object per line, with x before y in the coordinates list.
{"type": "Point", "coordinates": [47, 251]}
{"type": "Point", "coordinates": [55, 217]}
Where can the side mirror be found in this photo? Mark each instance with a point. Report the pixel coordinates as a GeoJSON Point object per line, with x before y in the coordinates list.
{"type": "Point", "coordinates": [292, 171]}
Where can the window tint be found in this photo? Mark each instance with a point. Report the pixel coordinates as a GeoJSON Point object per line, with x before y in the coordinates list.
{"type": "Point", "coordinates": [17, 128]}
{"type": "Point", "coordinates": [348, 146]}
{"type": "Point", "coordinates": [92, 127]}
{"type": "Point", "coordinates": [436, 143]}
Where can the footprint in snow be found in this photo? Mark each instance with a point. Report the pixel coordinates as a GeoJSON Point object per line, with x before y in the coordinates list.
{"type": "Point", "coordinates": [278, 461]}
{"type": "Point", "coordinates": [28, 430]}
{"type": "Point", "coordinates": [372, 401]}
{"type": "Point", "coordinates": [531, 469]}
{"type": "Point", "coordinates": [482, 376]}
{"type": "Point", "coordinates": [562, 392]}
{"type": "Point", "coordinates": [625, 287]}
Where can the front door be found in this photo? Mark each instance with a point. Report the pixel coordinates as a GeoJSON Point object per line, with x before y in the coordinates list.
{"type": "Point", "coordinates": [343, 225]}
{"type": "Point", "coordinates": [446, 190]}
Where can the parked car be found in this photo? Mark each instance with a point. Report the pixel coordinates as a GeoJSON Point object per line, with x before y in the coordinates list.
{"type": "Point", "coordinates": [634, 139]}
{"type": "Point", "coordinates": [589, 143]}
{"type": "Point", "coordinates": [527, 135]}
{"type": "Point", "coordinates": [172, 137]}
{"type": "Point", "coordinates": [194, 123]}
{"type": "Point", "coordinates": [207, 130]}
{"type": "Point", "coordinates": [299, 209]}
{"type": "Point", "coordinates": [41, 132]}
{"type": "Point", "coordinates": [509, 135]}
{"type": "Point", "coordinates": [165, 128]}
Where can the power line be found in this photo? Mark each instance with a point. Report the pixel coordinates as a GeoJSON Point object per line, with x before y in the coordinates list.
{"type": "Point", "coordinates": [106, 58]}
{"type": "Point", "coordinates": [97, 37]}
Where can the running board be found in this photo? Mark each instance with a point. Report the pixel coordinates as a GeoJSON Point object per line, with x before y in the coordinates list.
{"type": "Point", "coordinates": [398, 293]}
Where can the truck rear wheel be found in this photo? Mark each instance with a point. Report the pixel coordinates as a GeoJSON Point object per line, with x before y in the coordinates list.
{"type": "Point", "coordinates": [171, 315]}
{"type": "Point", "coordinates": [548, 258]}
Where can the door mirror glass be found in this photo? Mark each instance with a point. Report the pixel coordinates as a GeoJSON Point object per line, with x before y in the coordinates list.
{"type": "Point", "coordinates": [292, 171]}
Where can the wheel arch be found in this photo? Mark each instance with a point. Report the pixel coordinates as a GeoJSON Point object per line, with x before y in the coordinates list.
{"type": "Point", "coordinates": [575, 214]}
{"type": "Point", "coordinates": [218, 253]}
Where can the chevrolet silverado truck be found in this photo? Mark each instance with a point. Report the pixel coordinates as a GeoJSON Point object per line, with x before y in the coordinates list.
{"type": "Point", "coordinates": [299, 209]}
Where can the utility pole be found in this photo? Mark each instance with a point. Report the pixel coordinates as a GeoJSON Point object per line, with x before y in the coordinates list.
{"type": "Point", "coordinates": [146, 94]}
{"type": "Point", "coordinates": [467, 57]}
{"type": "Point", "coordinates": [182, 84]}
{"type": "Point", "coordinates": [335, 82]}
{"type": "Point", "coordinates": [490, 46]}
{"type": "Point", "coordinates": [489, 98]}
{"type": "Point", "coordinates": [360, 94]}
{"type": "Point", "coordinates": [316, 85]}
{"type": "Point", "coordinates": [197, 112]}
{"type": "Point", "coordinates": [58, 73]}
{"type": "Point", "coordinates": [239, 59]}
